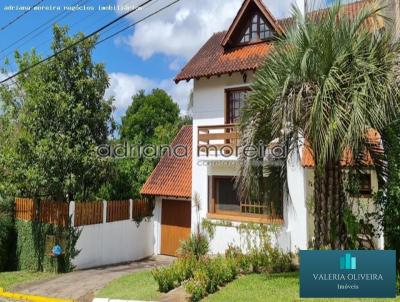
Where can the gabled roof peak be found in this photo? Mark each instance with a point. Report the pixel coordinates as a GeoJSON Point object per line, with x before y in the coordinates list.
{"type": "Point", "coordinates": [244, 14]}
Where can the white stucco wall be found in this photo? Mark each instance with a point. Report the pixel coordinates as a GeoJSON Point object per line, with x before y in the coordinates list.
{"type": "Point", "coordinates": [115, 242]}
{"type": "Point", "coordinates": [209, 109]}
{"type": "Point", "coordinates": [230, 235]}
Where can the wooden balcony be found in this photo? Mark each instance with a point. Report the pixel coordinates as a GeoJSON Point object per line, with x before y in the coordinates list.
{"type": "Point", "coordinates": [219, 140]}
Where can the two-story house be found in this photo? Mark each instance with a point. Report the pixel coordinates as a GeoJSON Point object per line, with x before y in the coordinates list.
{"type": "Point", "coordinates": [222, 71]}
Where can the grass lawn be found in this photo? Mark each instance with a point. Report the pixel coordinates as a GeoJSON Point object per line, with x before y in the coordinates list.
{"type": "Point", "coordinates": [136, 286]}
{"type": "Point", "coordinates": [261, 288]}
{"type": "Point", "coordinates": [8, 280]}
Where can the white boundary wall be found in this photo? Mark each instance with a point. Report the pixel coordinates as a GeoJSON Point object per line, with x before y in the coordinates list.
{"type": "Point", "coordinates": [114, 242]}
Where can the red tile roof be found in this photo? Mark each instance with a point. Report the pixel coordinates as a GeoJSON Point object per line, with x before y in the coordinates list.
{"type": "Point", "coordinates": [172, 176]}
{"type": "Point", "coordinates": [213, 60]}
{"type": "Point", "coordinates": [374, 138]}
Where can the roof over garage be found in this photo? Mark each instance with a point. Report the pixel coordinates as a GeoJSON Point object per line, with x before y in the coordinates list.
{"type": "Point", "coordinates": [172, 176]}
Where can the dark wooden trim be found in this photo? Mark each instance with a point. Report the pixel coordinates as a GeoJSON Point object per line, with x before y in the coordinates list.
{"type": "Point", "coordinates": [244, 12]}
{"type": "Point", "coordinates": [227, 103]}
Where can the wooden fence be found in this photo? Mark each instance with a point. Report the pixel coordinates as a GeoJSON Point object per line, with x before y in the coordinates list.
{"type": "Point", "coordinates": [54, 212]}
{"type": "Point", "coordinates": [118, 210]}
{"type": "Point", "coordinates": [141, 209]}
{"type": "Point", "coordinates": [88, 213]}
{"type": "Point", "coordinates": [24, 209]}
{"type": "Point", "coordinates": [85, 213]}
{"type": "Point", "coordinates": [50, 211]}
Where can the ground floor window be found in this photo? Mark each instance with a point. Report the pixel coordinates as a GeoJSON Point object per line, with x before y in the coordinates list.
{"type": "Point", "coordinates": [361, 184]}
{"type": "Point", "coordinates": [225, 200]}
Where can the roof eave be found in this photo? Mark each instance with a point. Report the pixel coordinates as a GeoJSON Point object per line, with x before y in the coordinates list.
{"type": "Point", "coordinates": [187, 79]}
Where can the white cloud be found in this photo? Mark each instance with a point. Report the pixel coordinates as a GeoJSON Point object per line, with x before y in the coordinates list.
{"type": "Point", "coordinates": [180, 93]}
{"type": "Point", "coordinates": [123, 86]}
{"type": "Point", "coordinates": [183, 28]}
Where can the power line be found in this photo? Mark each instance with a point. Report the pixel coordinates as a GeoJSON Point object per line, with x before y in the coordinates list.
{"type": "Point", "coordinates": [135, 23]}
{"type": "Point", "coordinates": [20, 16]}
{"type": "Point", "coordinates": [76, 43]}
{"type": "Point", "coordinates": [116, 25]}
{"type": "Point", "coordinates": [72, 25]}
{"type": "Point", "coordinates": [55, 18]}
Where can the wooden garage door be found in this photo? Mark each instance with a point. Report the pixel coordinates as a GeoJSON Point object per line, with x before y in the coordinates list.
{"type": "Point", "coordinates": [175, 224]}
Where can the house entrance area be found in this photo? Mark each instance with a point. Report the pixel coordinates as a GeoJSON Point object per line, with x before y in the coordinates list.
{"type": "Point", "coordinates": [175, 225]}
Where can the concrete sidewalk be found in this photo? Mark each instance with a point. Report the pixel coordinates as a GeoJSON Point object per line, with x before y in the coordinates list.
{"type": "Point", "coordinates": [82, 285]}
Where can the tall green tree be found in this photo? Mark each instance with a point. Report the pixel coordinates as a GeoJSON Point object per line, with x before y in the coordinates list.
{"type": "Point", "coordinates": [146, 114]}
{"type": "Point", "coordinates": [389, 195]}
{"type": "Point", "coordinates": [55, 116]}
{"type": "Point", "coordinates": [328, 81]}
{"type": "Point", "coordinates": [151, 120]}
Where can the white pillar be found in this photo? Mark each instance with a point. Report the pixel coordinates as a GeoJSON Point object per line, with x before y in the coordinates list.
{"type": "Point", "coordinates": [72, 212]}
{"type": "Point", "coordinates": [104, 211]}
{"type": "Point", "coordinates": [296, 207]}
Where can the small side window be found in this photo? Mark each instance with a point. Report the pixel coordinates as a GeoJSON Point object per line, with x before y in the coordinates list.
{"type": "Point", "coordinates": [365, 184]}
{"type": "Point", "coordinates": [360, 185]}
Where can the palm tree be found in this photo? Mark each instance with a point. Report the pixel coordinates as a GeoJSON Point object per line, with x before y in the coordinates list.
{"type": "Point", "coordinates": [329, 80]}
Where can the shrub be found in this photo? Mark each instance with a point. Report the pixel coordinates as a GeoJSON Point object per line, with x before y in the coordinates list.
{"type": "Point", "coordinates": [197, 286]}
{"type": "Point", "coordinates": [398, 284]}
{"type": "Point", "coordinates": [170, 277]}
{"type": "Point", "coordinates": [233, 267]}
{"type": "Point", "coordinates": [259, 260]}
{"type": "Point", "coordinates": [7, 233]}
{"type": "Point", "coordinates": [217, 274]}
{"type": "Point", "coordinates": [197, 245]}
{"type": "Point", "coordinates": [262, 259]}
{"type": "Point", "coordinates": [184, 268]}
{"type": "Point", "coordinates": [233, 251]}
{"type": "Point", "coordinates": [210, 274]}
{"type": "Point", "coordinates": [242, 261]}
{"type": "Point", "coordinates": [6, 242]}
{"type": "Point", "coordinates": [281, 262]}
{"type": "Point", "coordinates": [165, 277]}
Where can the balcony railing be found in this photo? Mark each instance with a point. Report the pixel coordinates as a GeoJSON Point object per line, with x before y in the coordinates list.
{"type": "Point", "coordinates": [220, 140]}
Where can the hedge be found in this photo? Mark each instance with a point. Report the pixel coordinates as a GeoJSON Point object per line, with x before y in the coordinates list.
{"type": "Point", "coordinates": [31, 244]}
{"type": "Point", "coordinates": [7, 242]}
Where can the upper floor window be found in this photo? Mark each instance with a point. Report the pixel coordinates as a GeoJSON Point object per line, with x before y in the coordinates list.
{"type": "Point", "coordinates": [256, 30]}
{"type": "Point", "coordinates": [235, 103]}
